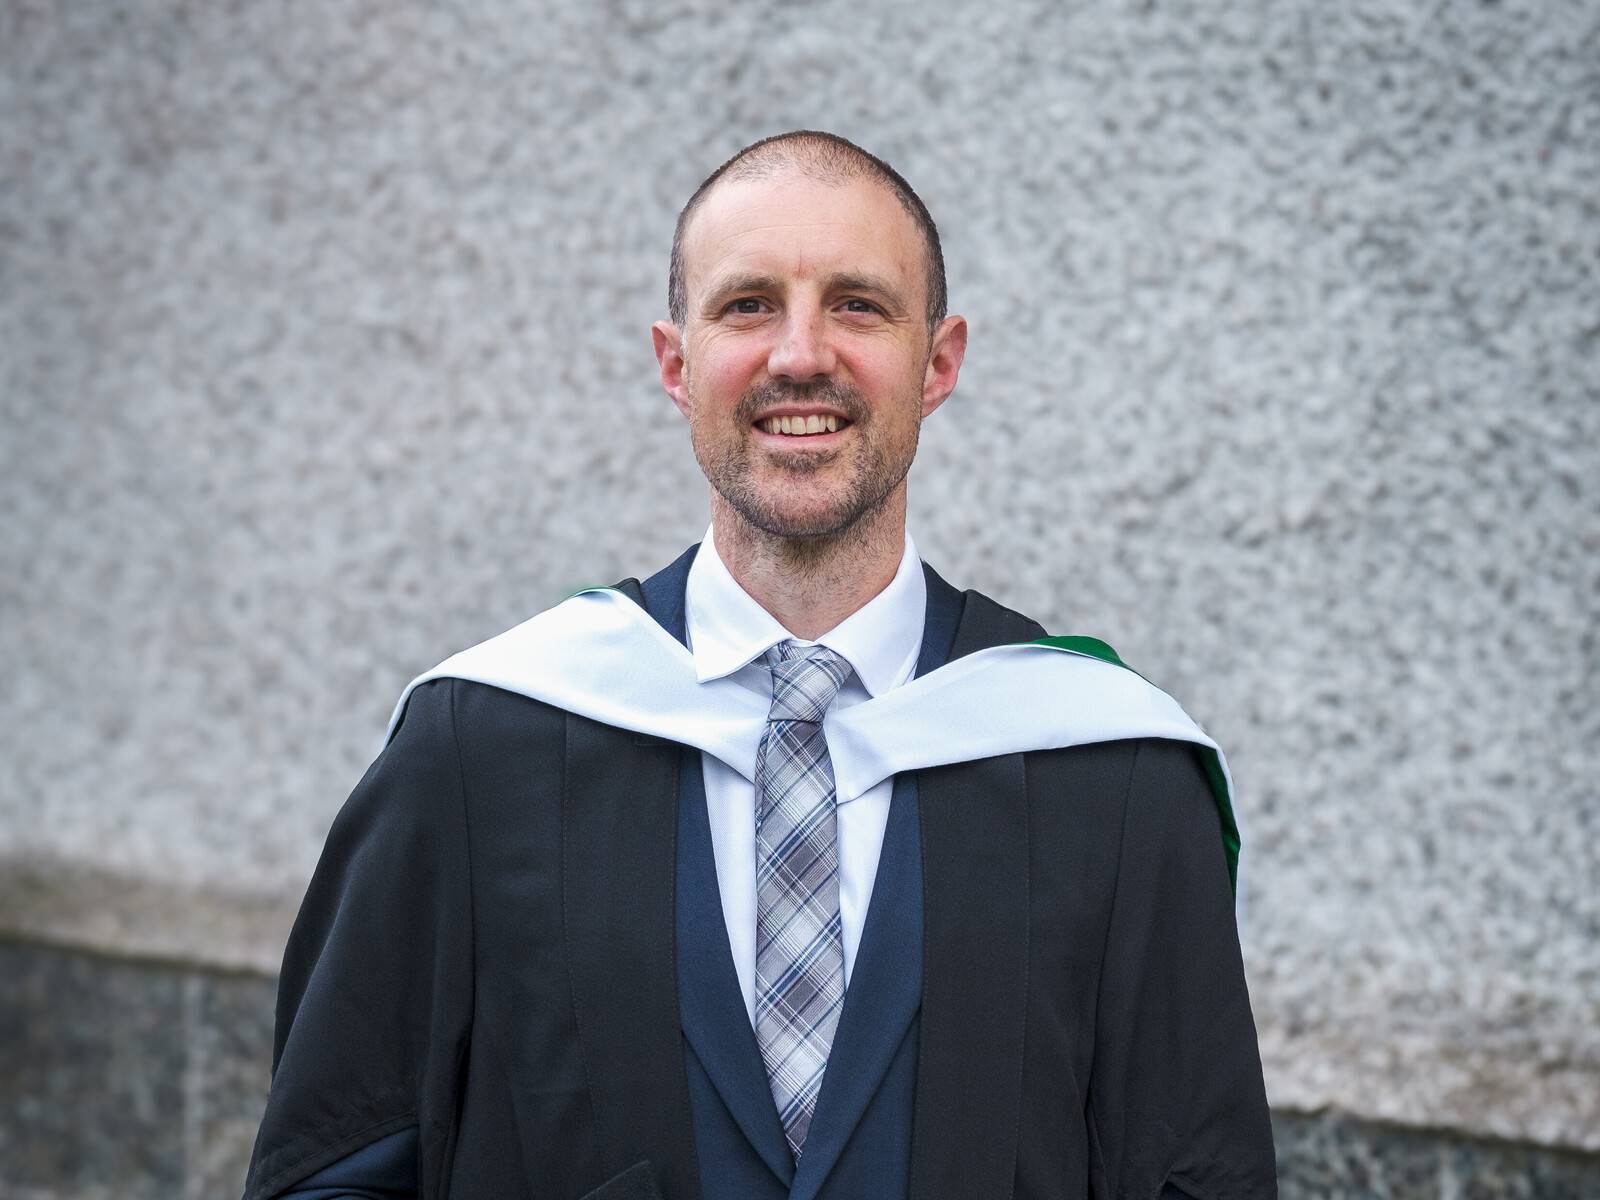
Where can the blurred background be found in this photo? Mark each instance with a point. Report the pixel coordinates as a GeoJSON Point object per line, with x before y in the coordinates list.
{"type": "Point", "coordinates": [324, 352]}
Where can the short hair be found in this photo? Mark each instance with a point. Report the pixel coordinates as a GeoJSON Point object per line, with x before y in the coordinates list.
{"type": "Point", "coordinates": [818, 155]}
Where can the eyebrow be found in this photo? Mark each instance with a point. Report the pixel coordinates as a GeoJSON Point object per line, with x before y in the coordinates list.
{"type": "Point", "coordinates": [733, 284]}
{"type": "Point", "coordinates": [872, 285]}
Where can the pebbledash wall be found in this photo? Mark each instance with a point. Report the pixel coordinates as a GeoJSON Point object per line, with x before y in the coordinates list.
{"type": "Point", "coordinates": [323, 353]}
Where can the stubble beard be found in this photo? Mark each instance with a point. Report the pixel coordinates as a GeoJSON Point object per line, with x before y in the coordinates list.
{"type": "Point", "coordinates": [730, 468]}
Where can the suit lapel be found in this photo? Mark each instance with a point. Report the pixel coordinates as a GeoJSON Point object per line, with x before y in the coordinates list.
{"type": "Point", "coordinates": [975, 955]}
{"type": "Point", "coordinates": [714, 1016]}
{"type": "Point", "coordinates": [710, 1004]}
{"type": "Point", "coordinates": [885, 990]}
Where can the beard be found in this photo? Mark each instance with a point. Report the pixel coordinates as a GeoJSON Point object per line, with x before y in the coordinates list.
{"type": "Point", "coordinates": [874, 469]}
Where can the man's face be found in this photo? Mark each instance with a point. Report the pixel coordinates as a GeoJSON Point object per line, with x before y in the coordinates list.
{"type": "Point", "coordinates": [805, 365]}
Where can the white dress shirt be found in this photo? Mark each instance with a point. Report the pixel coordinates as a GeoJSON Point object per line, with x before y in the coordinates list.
{"type": "Point", "coordinates": [728, 633]}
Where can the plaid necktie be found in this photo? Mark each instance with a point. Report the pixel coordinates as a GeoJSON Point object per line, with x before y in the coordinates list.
{"type": "Point", "coordinates": [799, 949]}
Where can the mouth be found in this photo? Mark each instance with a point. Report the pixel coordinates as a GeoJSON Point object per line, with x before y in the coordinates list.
{"type": "Point", "coordinates": [799, 425]}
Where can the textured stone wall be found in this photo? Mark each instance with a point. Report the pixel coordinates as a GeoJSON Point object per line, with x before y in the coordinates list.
{"type": "Point", "coordinates": [323, 352]}
{"type": "Point", "coordinates": [165, 1089]}
{"type": "Point", "coordinates": [166, 1086]}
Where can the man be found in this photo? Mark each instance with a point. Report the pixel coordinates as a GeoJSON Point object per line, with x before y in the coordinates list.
{"type": "Point", "coordinates": [793, 871]}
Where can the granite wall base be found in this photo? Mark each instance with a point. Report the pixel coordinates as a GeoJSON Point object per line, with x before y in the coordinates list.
{"type": "Point", "coordinates": [145, 1081]}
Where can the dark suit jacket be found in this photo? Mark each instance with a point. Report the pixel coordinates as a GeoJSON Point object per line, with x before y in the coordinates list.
{"type": "Point", "coordinates": [511, 968]}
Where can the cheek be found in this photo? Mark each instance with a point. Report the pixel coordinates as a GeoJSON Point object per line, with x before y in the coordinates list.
{"type": "Point", "coordinates": [887, 370]}
{"type": "Point", "coordinates": [896, 390]}
{"type": "Point", "coordinates": [720, 374]}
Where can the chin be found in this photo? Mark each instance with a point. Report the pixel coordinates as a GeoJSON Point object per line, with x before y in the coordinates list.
{"type": "Point", "coordinates": [797, 523]}
{"type": "Point", "coordinates": [801, 518]}
{"type": "Point", "coordinates": [808, 530]}
{"type": "Point", "coordinates": [810, 498]}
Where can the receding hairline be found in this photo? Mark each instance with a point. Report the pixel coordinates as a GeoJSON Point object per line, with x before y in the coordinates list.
{"type": "Point", "coordinates": [825, 158]}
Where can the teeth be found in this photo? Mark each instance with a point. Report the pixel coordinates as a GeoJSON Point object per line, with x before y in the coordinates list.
{"type": "Point", "coordinates": [800, 426]}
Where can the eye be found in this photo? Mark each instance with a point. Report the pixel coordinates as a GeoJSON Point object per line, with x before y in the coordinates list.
{"type": "Point", "coordinates": [745, 306]}
{"type": "Point", "coordinates": [860, 306]}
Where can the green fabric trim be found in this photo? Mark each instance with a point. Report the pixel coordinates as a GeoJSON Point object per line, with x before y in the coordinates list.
{"type": "Point", "coordinates": [1091, 647]}
{"type": "Point", "coordinates": [1230, 827]}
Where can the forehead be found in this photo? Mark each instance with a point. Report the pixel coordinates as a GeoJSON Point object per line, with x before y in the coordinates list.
{"type": "Point", "coordinates": [795, 227]}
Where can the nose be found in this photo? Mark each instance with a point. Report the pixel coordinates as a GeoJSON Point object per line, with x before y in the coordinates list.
{"type": "Point", "coordinates": [802, 351]}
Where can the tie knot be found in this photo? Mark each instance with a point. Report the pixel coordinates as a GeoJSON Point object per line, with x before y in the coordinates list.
{"type": "Point", "coordinates": [805, 679]}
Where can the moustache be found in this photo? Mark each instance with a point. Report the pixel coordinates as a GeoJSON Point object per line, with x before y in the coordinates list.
{"type": "Point", "coordinates": [838, 396]}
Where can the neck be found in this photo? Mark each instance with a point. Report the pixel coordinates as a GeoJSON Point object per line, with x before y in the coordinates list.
{"type": "Point", "coordinates": [811, 584]}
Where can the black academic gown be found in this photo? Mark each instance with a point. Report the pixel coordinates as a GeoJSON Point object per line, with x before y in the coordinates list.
{"type": "Point", "coordinates": [486, 972]}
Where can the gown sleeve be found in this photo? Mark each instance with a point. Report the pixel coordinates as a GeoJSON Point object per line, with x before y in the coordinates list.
{"type": "Point", "coordinates": [375, 996]}
{"type": "Point", "coordinates": [1177, 1106]}
{"type": "Point", "coordinates": [383, 1170]}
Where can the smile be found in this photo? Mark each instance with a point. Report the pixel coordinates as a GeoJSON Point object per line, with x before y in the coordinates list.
{"type": "Point", "coordinates": [802, 426]}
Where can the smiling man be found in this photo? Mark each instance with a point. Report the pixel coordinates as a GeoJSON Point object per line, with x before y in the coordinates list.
{"type": "Point", "coordinates": [807, 343]}
{"type": "Point", "coordinates": [792, 871]}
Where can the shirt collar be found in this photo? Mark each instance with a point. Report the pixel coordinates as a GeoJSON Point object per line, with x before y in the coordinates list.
{"type": "Point", "coordinates": [728, 628]}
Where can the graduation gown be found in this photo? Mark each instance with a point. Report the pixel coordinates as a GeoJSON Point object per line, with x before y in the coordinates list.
{"type": "Point", "coordinates": [491, 955]}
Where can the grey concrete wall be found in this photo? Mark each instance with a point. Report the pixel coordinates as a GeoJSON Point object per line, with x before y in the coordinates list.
{"type": "Point", "coordinates": [323, 352]}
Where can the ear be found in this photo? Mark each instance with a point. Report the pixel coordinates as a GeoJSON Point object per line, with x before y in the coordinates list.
{"type": "Point", "coordinates": [948, 348]}
{"type": "Point", "coordinates": [669, 357]}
